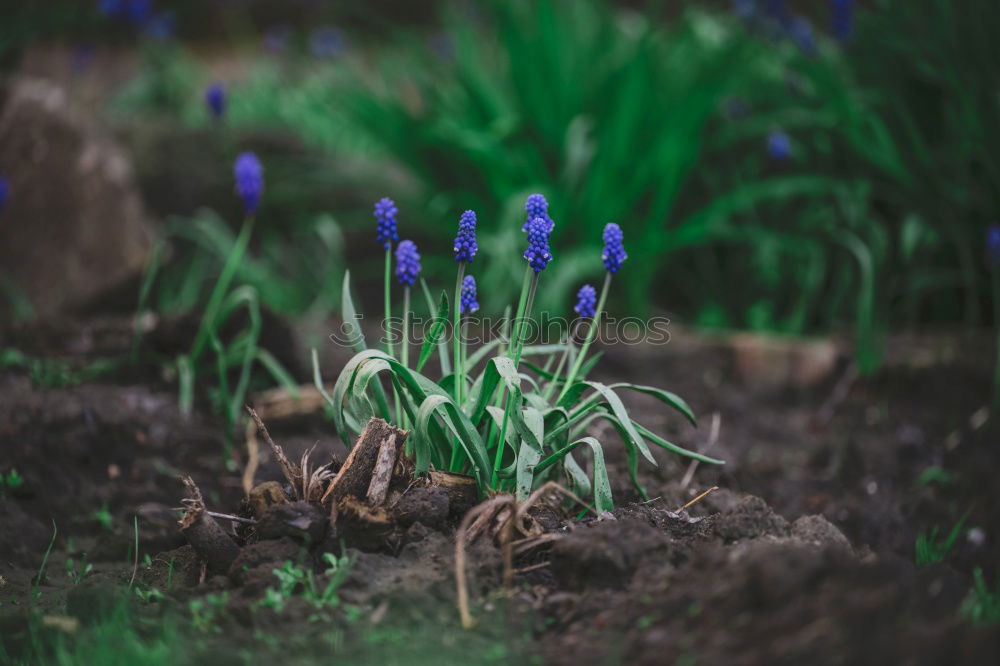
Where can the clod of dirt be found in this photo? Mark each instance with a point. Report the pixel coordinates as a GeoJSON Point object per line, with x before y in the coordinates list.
{"type": "Point", "coordinates": [604, 555]}
{"type": "Point", "coordinates": [428, 505]}
{"type": "Point", "coordinates": [751, 518]}
{"type": "Point", "coordinates": [300, 520]}
{"type": "Point", "coordinates": [265, 495]}
{"type": "Point", "coordinates": [818, 531]}
{"type": "Point", "coordinates": [95, 596]}
{"type": "Point", "coordinates": [270, 553]}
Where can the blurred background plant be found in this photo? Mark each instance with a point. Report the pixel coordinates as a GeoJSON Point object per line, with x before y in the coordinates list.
{"type": "Point", "coordinates": [789, 167]}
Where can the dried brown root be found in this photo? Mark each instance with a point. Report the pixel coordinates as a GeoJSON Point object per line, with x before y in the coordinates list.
{"type": "Point", "coordinates": [503, 514]}
{"type": "Point", "coordinates": [293, 473]}
{"type": "Point", "coordinates": [214, 547]}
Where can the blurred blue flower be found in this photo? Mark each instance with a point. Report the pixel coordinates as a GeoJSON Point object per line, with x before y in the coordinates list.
{"type": "Point", "coordinates": [111, 8]}
{"type": "Point", "coordinates": [139, 11]}
{"type": "Point", "coordinates": [407, 263]}
{"type": "Point", "coordinates": [745, 9]}
{"type": "Point", "coordinates": [385, 216]}
{"type": "Point", "coordinates": [801, 33]}
{"type": "Point", "coordinates": [537, 206]}
{"type": "Point", "coordinates": [841, 19]}
{"type": "Point", "coordinates": [778, 11]}
{"type": "Point", "coordinates": [538, 253]}
{"type": "Point", "coordinates": [276, 39]}
{"type": "Point", "coordinates": [468, 304]}
{"type": "Point", "coordinates": [161, 26]}
{"type": "Point", "coordinates": [249, 180]}
{"type": "Point", "coordinates": [465, 241]}
{"type": "Point", "coordinates": [326, 41]}
{"type": "Point", "coordinates": [614, 248]}
{"type": "Point", "coordinates": [215, 99]}
{"type": "Point", "coordinates": [4, 190]}
{"type": "Point", "coordinates": [779, 145]}
{"type": "Point", "coordinates": [992, 245]}
{"type": "Point", "coordinates": [586, 302]}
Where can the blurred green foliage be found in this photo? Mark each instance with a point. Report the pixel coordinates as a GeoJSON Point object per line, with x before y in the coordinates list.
{"type": "Point", "coordinates": [659, 122]}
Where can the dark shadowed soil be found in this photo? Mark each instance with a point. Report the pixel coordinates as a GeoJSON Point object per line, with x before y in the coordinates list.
{"type": "Point", "coordinates": [805, 554]}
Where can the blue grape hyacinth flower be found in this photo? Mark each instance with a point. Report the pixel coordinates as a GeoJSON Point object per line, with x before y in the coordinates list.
{"type": "Point", "coordinates": [469, 304]}
{"type": "Point", "coordinates": [779, 145]}
{"type": "Point", "coordinates": [4, 191]}
{"type": "Point", "coordinates": [215, 99]}
{"type": "Point", "coordinates": [537, 206]}
{"type": "Point", "coordinates": [326, 42]}
{"type": "Point", "coordinates": [385, 216]}
{"type": "Point", "coordinates": [465, 241]}
{"type": "Point", "coordinates": [614, 249]}
{"type": "Point", "coordinates": [407, 263]}
{"type": "Point", "coordinates": [992, 244]}
{"type": "Point", "coordinates": [249, 180]}
{"type": "Point", "coordinates": [586, 302]}
{"type": "Point", "coordinates": [841, 19]}
{"type": "Point", "coordinates": [538, 253]}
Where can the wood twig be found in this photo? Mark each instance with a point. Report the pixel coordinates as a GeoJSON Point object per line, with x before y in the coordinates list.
{"type": "Point", "coordinates": [293, 474]}
{"type": "Point", "coordinates": [713, 437]}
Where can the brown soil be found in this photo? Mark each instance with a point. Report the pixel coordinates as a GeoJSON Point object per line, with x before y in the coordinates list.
{"type": "Point", "coordinates": [805, 554]}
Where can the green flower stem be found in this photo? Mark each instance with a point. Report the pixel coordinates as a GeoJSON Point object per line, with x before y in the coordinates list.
{"type": "Point", "coordinates": [457, 454]}
{"type": "Point", "coordinates": [405, 342]}
{"type": "Point", "coordinates": [456, 330]}
{"type": "Point", "coordinates": [562, 362]}
{"type": "Point", "coordinates": [208, 323]}
{"type": "Point", "coordinates": [591, 334]}
{"type": "Point", "coordinates": [523, 311]}
{"type": "Point", "coordinates": [388, 321]}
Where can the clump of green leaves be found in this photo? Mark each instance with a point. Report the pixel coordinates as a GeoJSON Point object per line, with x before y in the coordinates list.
{"type": "Point", "coordinates": [294, 579]}
{"type": "Point", "coordinates": [982, 605]}
{"type": "Point", "coordinates": [76, 571]}
{"type": "Point", "coordinates": [206, 611]}
{"type": "Point", "coordinates": [930, 549]}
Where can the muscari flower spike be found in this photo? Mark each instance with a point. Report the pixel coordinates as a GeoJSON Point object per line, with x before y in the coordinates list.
{"type": "Point", "coordinates": [468, 303]}
{"type": "Point", "coordinates": [215, 99]}
{"type": "Point", "coordinates": [407, 263]}
{"type": "Point", "coordinates": [586, 302]}
{"type": "Point", "coordinates": [465, 242]}
{"type": "Point", "coordinates": [614, 250]}
{"type": "Point", "coordinates": [538, 254]}
{"type": "Point", "coordinates": [779, 146]}
{"type": "Point", "coordinates": [385, 214]}
{"type": "Point", "coordinates": [249, 180]}
{"type": "Point", "coordinates": [992, 244]}
{"type": "Point", "coordinates": [841, 19]}
{"type": "Point", "coordinates": [537, 206]}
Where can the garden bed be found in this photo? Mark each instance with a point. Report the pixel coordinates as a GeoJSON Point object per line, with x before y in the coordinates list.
{"type": "Point", "coordinates": [805, 553]}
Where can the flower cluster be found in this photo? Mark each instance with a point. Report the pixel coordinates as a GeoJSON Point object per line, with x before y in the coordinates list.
{"type": "Point", "coordinates": [465, 241]}
{"type": "Point", "coordinates": [586, 302]}
{"type": "Point", "coordinates": [537, 206]}
{"type": "Point", "coordinates": [407, 263]}
{"type": "Point", "coordinates": [385, 214]}
{"type": "Point", "coordinates": [614, 250]}
{"type": "Point", "coordinates": [468, 303]}
{"type": "Point", "coordinates": [249, 180]}
{"type": "Point", "coordinates": [538, 254]}
{"type": "Point", "coordinates": [215, 99]}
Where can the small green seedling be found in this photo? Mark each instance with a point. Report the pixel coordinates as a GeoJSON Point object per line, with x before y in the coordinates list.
{"type": "Point", "coordinates": [932, 550]}
{"type": "Point", "coordinates": [12, 481]}
{"type": "Point", "coordinates": [150, 595]}
{"type": "Point", "coordinates": [205, 612]}
{"type": "Point", "coordinates": [77, 571]}
{"type": "Point", "coordinates": [292, 578]}
{"type": "Point", "coordinates": [104, 518]}
{"type": "Point", "coordinates": [982, 605]}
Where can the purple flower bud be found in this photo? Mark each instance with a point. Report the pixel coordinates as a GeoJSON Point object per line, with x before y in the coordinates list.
{"type": "Point", "coordinates": [614, 249]}
{"type": "Point", "coordinates": [586, 302]}
{"type": "Point", "coordinates": [407, 263]}
{"type": "Point", "coordinates": [249, 180]}
{"type": "Point", "coordinates": [538, 253]}
{"type": "Point", "coordinates": [465, 242]}
{"type": "Point", "coordinates": [385, 215]}
{"type": "Point", "coordinates": [468, 303]}
{"type": "Point", "coordinates": [215, 98]}
{"type": "Point", "coordinates": [537, 206]}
